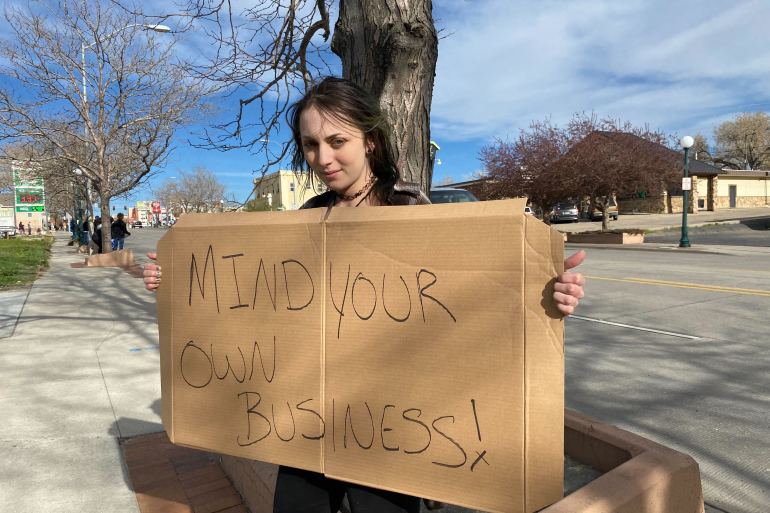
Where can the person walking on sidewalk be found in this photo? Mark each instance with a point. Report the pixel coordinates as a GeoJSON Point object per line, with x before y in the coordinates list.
{"type": "Point", "coordinates": [118, 232]}
{"type": "Point", "coordinates": [96, 237]}
{"type": "Point", "coordinates": [340, 134]}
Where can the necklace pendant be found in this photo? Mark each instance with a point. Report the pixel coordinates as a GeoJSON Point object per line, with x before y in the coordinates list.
{"type": "Point", "coordinates": [364, 189]}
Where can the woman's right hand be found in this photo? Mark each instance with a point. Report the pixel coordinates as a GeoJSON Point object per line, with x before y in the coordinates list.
{"type": "Point", "coordinates": [152, 274]}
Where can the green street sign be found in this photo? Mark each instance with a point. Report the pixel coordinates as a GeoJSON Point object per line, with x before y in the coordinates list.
{"type": "Point", "coordinates": [33, 208]}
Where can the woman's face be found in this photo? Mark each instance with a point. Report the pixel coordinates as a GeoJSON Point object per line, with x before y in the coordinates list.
{"type": "Point", "coordinates": [335, 151]}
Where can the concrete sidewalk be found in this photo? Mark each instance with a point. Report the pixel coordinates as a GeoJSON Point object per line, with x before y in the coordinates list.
{"type": "Point", "coordinates": [79, 372]}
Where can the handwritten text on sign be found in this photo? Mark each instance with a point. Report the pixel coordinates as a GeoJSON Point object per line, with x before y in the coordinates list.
{"type": "Point", "coordinates": [237, 283]}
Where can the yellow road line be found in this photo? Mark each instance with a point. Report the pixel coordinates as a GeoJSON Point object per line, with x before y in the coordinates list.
{"type": "Point", "coordinates": [683, 285]}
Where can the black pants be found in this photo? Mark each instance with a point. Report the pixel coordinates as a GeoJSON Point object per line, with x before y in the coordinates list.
{"type": "Point", "coordinates": [302, 491]}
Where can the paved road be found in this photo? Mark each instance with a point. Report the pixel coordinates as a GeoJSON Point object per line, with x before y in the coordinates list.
{"type": "Point", "coordinates": [674, 345]}
{"type": "Point", "coordinates": [143, 240]}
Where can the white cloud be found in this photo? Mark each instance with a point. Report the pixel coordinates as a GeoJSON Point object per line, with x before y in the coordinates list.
{"type": "Point", "coordinates": [670, 64]}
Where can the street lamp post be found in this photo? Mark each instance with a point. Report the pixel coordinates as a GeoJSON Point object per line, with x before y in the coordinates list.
{"type": "Point", "coordinates": [686, 144]}
{"type": "Point", "coordinates": [83, 48]}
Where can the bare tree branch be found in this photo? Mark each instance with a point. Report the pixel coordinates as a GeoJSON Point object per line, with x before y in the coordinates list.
{"type": "Point", "coordinates": [744, 143]}
{"type": "Point", "coordinates": [198, 191]}
{"type": "Point", "coordinates": [268, 54]}
{"type": "Point", "coordinates": [118, 135]}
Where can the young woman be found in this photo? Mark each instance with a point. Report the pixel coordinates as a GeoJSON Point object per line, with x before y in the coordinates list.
{"type": "Point", "coordinates": [341, 135]}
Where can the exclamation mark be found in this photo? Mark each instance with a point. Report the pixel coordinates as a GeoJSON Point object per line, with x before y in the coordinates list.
{"type": "Point", "coordinates": [478, 434]}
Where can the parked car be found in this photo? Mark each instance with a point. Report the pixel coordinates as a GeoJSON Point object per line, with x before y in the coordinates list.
{"type": "Point", "coordinates": [564, 213]}
{"type": "Point", "coordinates": [450, 195]}
{"type": "Point", "coordinates": [136, 224]}
{"type": "Point", "coordinates": [612, 211]}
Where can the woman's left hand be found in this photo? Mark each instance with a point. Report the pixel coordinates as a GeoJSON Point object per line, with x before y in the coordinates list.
{"type": "Point", "coordinates": [568, 289]}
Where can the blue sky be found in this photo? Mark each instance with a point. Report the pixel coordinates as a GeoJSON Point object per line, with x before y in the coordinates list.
{"type": "Point", "coordinates": [681, 67]}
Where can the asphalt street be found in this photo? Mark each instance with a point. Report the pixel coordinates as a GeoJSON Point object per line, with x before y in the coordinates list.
{"type": "Point", "coordinates": [673, 345]}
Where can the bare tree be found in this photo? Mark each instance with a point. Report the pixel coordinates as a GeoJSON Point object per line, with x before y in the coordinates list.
{"type": "Point", "coordinates": [88, 86]}
{"type": "Point", "coordinates": [168, 195]}
{"type": "Point", "coordinates": [744, 143]}
{"type": "Point", "coordinates": [198, 191]}
{"type": "Point", "coordinates": [6, 176]}
{"type": "Point", "coordinates": [272, 51]}
{"type": "Point", "coordinates": [700, 149]}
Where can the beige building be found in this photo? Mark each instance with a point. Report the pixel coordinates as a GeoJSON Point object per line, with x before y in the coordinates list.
{"type": "Point", "coordinates": [739, 189]}
{"type": "Point", "coordinates": [286, 189]}
{"type": "Point", "coordinates": [730, 188]}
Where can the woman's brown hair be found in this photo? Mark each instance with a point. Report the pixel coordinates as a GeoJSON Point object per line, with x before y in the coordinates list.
{"type": "Point", "coordinates": [345, 101]}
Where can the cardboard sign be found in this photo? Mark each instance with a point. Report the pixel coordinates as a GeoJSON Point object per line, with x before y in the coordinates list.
{"type": "Point", "coordinates": [413, 349]}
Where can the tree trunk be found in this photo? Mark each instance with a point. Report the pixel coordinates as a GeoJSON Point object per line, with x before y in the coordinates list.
{"type": "Point", "coordinates": [106, 224]}
{"type": "Point", "coordinates": [605, 214]}
{"type": "Point", "coordinates": [390, 47]}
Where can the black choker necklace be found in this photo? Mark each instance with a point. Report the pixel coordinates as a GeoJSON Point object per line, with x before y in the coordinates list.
{"type": "Point", "coordinates": [368, 185]}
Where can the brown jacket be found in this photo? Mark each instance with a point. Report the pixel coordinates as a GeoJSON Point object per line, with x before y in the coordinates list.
{"type": "Point", "coordinates": [403, 194]}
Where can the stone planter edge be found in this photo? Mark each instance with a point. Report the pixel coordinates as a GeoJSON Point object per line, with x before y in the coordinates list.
{"type": "Point", "coordinates": [122, 258]}
{"type": "Point", "coordinates": [639, 475]}
{"type": "Point", "coordinates": [606, 238]}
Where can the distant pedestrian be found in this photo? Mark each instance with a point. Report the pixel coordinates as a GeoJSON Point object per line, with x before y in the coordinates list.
{"type": "Point", "coordinates": [96, 237]}
{"type": "Point", "coordinates": [21, 227]}
{"type": "Point", "coordinates": [119, 231]}
{"type": "Point", "coordinates": [29, 228]}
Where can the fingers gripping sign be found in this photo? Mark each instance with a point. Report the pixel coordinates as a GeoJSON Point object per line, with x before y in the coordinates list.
{"type": "Point", "coordinates": [152, 273]}
{"type": "Point", "coordinates": [568, 290]}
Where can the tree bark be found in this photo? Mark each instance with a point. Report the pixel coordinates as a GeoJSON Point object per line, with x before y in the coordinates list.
{"type": "Point", "coordinates": [106, 224]}
{"type": "Point", "coordinates": [605, 214]}
{"type": "Point", "coordinates": [390, 47]}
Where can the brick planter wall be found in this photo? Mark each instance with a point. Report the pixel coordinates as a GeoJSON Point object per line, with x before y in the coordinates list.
{"type": "Point", "coordinates": [254, 480]}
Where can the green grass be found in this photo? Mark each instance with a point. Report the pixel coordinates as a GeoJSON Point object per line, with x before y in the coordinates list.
{"type": "Point", "coordinates": [21, 259]}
